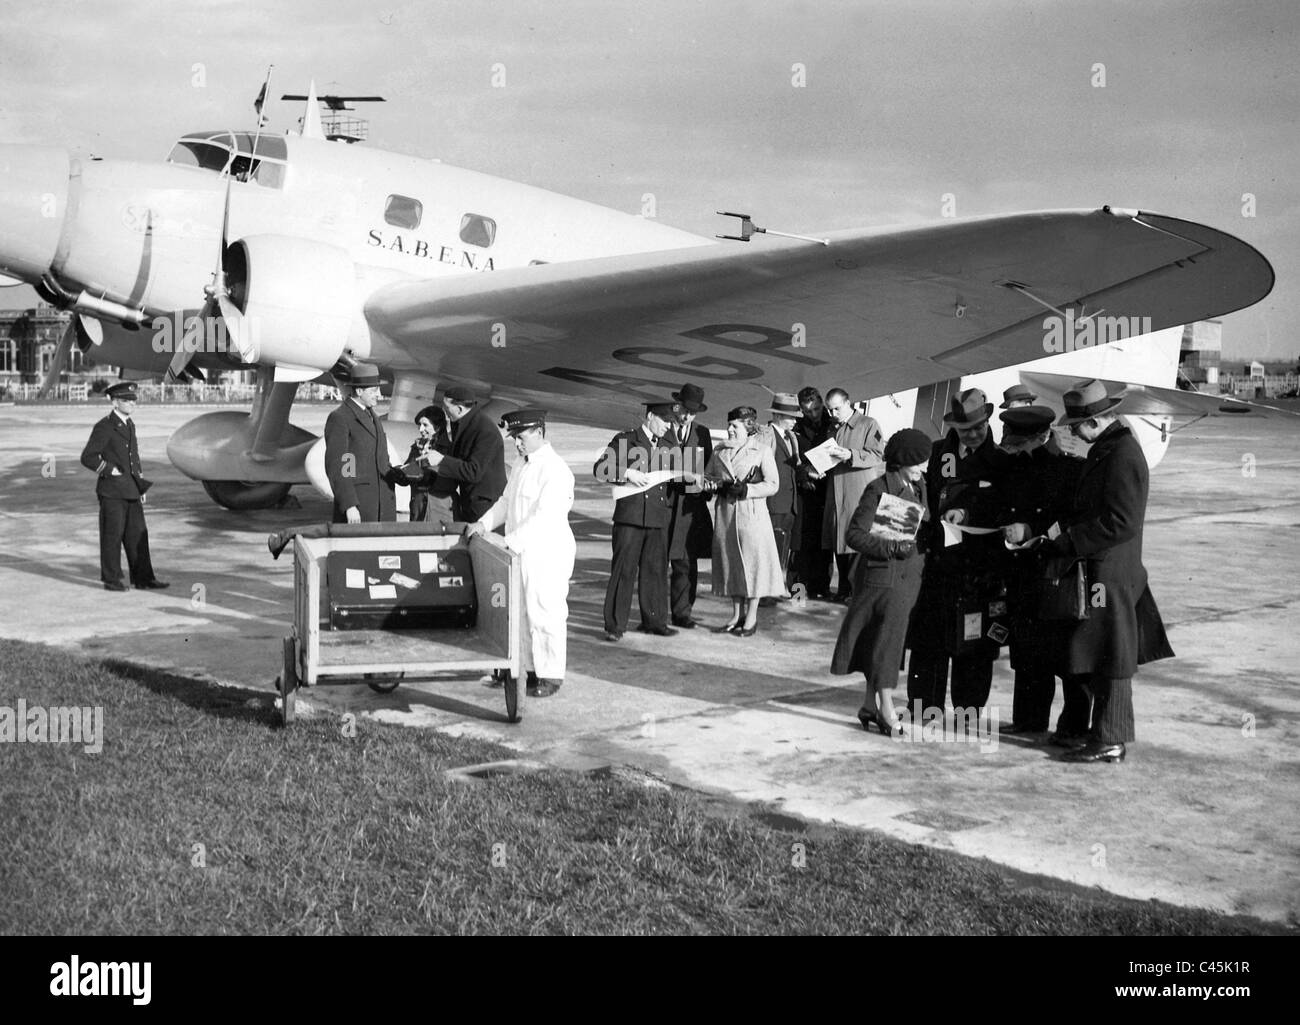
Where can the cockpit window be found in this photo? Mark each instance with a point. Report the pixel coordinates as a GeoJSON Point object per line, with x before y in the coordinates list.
{"type": "Point", "coordinates": [477, 230]}
{"type": "Point", "coordinates": [233, 152]}
{"type": "Point", "coordinates": [403, 212]}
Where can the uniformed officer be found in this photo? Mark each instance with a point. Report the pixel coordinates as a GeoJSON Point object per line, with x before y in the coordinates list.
{"type": "Point", "coordinates": [356, 454]}
{"type": "Point", "coordinates": [114, 454]}
{"type": "Point", "coordinates": [535, 513]}
{"type": "Point", "coordinates": [1036, 490]}
{"type": "Point", "coordinates": [642, 514]}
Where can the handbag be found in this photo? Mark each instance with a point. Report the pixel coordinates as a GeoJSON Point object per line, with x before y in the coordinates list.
{"type": "Point", "coordinates": [1063, 590]}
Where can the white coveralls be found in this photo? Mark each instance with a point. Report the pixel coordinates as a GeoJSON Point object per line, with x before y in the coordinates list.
{"type": "Point", "coordinates": [535, 511]}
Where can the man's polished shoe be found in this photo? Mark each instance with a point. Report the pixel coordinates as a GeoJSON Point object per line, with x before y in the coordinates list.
{"type": "Point", "coordinates": [685, 624]}
{"type": "Point", "coordinates": [115, 586]}
{"type": "Point", "coordinates": [613, 635]}
{"type": "Point", "coordinates": [658, 631]}
{"type": "Point", "coordinates": [1067, 740]}
{"type": "Point", "coordinates": [1096, 752]}
{"type": "Point", "coordinates": [154, 585]}
{"type": "Point", "coordinates": [543, 688]}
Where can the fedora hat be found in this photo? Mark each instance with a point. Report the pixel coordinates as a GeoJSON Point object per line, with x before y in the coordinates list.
{"type": "Point", "coordinates": [692, 397]}
{"type": "Point", "coordinates": [364, 375]}
{"type": "Point", "coordinates": [1017, 393]}
{"type": "Point", "coordinates": [785, 404]}
{"type": "Point", "coordinates": [1086, 400]}
{"type": "Point", "coordinates": [969, 409]}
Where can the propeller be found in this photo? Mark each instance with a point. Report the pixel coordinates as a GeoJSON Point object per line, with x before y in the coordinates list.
{"type": "Point", "coordinates": [83, 332]}
{"type": "Point", "coordinates": [217, 303]}
{"type": "Point", "coordinates": [60, 360]}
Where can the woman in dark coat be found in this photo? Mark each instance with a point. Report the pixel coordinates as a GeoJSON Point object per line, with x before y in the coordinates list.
{"type": "Point", "coordinates": [886, 578]}
{"type": "Point", "coordinates": [431, 495]}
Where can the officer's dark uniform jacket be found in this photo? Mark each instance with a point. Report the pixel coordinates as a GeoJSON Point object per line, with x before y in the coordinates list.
{"type": "Point", "coordinates": [650, 508]}
{"type": "Point", "coordinates": [112, 446]}
{"type": "Point", "coordinates": [1036, 488]}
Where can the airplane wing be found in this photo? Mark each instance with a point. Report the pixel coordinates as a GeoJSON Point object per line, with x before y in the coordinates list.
{"type": "Point", "coordinates": [875, 311]}
{"type": "Point", "coordinates": [1149, 400]}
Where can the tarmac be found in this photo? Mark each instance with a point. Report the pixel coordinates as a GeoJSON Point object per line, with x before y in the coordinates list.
{"type": "Point", "coordinates": [1202, 813]}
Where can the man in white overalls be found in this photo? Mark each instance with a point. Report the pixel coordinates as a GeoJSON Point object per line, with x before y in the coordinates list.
{"type": "Point", "coordinates": [535, 511]}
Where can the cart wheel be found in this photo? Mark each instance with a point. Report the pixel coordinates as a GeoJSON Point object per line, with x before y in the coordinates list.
{"type": "Point", "coordinates": [288, 682]}
{"type": "Point", "coordinates": [514, 711]}
{"type": "Point", "coordinates": [386, 685]}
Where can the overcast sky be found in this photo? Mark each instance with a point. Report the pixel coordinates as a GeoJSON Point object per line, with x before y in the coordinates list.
{"type": "Point", "coordinates": [997, 103]}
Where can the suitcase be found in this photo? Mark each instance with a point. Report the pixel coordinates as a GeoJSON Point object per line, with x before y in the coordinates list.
{"type": "Point", "coordinates": [400, 590]}
{"type": "Point", "coordinates": [977, 617]}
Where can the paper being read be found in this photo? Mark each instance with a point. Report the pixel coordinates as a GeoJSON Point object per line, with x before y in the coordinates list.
{"type": "Point", "coordinates": [820, 457]}
{"type": "Point", "coordinates": [356, 578]}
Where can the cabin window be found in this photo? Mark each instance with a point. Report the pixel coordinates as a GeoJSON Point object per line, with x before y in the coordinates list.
{"type": "Point", "coordinates": [477, 230]}
{"type": "Point", "coordinates": [403, 212]}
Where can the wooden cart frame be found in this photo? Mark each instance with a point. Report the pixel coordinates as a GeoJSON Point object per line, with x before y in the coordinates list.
{"type": "Point", "coordinates": [314, 656]}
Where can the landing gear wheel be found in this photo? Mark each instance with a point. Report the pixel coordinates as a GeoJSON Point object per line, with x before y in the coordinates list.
{"type": "Point", "coordinates": [246, 494]}
{"type": "Point", "coordinates": [514, 711]}
{"type": "Point", "coordinates": [385, 685]}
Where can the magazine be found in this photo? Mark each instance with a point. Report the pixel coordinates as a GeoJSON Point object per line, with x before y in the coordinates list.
{"type": "Point", "coordinates": [897, 519]}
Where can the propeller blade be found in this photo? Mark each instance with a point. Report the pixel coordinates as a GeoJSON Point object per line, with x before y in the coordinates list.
{"type": "Point", "coordinates": [60, 359]}
{"type": "Point", "coordinates": [237, 328]}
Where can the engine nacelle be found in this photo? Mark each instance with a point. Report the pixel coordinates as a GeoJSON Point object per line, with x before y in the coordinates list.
{"type": "Point", "coordinates": [298, 299]}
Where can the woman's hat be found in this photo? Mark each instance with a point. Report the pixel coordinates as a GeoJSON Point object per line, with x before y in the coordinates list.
{"type": "Point", "coordinates": [1086, 400]}
{"type": "Point", "coordinates": [785, 404]}
{"type": "Point", "coordinates": [908, 447]}
{"type": "Point", "coordinates": [969, 409]}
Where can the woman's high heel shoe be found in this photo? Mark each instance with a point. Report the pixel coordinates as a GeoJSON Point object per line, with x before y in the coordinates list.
{"type": "Point", "coordinates": [746, 632]}
{"type": "Point", "coordinates": [888, 729]}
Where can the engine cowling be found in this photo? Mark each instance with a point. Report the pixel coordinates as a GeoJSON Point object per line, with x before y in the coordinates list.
{"type": "Point", "coordinates": [297, 297]}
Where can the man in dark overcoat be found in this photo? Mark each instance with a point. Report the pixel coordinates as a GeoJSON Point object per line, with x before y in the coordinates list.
{"type": "Point", "coordinates": [1123, 629]}
{"type": "Point", "coordinates": [690, 534]}
{"type": "Point", "coordinates": [114, 454]}
{"type": "Point", "coordinates": [356, 454]}
{"type": "Point", "coordinates": [784, 507]}
{"type": "Point", "coordinates": [812, 561]}
{"type": "Point", "coordinates": [477, 460]}
{"type": "Point", "coordinates": [961, 463]}
{"type": "Point", "coordinates": [642, 514]}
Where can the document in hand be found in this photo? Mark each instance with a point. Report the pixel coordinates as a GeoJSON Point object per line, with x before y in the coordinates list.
{"type": "Point", "coordinates": [653, 478]}
{"type": "Point", "coordinates": [820, 457]}
{"type": "Point", "coordinates": [897, 519]}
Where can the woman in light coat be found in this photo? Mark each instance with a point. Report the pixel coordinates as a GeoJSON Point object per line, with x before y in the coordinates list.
{"type": "Point", "coordinates": [746, 563]}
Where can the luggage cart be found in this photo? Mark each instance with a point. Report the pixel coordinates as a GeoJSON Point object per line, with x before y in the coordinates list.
{"type": "Point", "coordinates": [314, 654]}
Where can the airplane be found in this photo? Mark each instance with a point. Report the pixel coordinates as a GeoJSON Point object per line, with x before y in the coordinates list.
{"type": "Point", "coordinates": [299, 257]}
